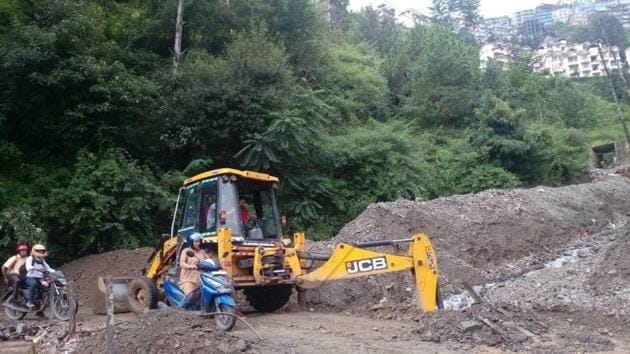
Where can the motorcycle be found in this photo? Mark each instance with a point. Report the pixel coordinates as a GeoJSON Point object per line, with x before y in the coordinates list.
{"type": "Point", "coordinates": [51, 295]}
{"type": "Point", "coordinates": [214, 295]}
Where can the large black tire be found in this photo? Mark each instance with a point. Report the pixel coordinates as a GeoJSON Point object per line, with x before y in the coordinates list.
{"type": "Point", "coordinates": [225, 323]}
{"type": "Point", "coordinates": [142, 294]}
{"type": "Point", "coordinates": [13, 314]}
{"type": "Point", "coordinates": [268, 298]}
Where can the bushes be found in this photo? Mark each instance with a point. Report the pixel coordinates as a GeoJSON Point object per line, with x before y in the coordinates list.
{"type": "Point", "coordinates": [110, 202]}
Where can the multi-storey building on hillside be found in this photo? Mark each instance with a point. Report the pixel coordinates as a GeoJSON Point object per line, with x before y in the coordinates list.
{"type": "Point", "coordinates": [410, 18]}
{"type": "Point", "coordinates": [501, 53]}
{"type": "Point", "coordinates": [495, 29]}
{"type": "Point", "coordinates": [559, 58]}
{"type": "Point", "coordinates": [621, 10]}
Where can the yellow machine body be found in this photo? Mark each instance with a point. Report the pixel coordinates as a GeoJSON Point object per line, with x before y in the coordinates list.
{"type": "Point", "coordinates": [285, 262]}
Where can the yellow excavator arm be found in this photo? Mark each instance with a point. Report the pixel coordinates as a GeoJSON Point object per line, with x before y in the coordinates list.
{"type": "Point", "coordinates": [352, 261]}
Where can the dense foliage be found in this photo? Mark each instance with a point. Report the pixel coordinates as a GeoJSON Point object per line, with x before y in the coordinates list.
{"type": "Point", "coordinates": [97, 129]}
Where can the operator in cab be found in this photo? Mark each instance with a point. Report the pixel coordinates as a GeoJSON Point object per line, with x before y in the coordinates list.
{"type": "Point", "coordinates": [189, 278]}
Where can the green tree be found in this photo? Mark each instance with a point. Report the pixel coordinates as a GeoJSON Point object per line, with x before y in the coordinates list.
{"type": "Point", "coordinates": [225, 99]}
{"type": "Point", "coordinates": [441, 13]}
{"type": "Point", "coordinates": [366, 26]}
{"type": "Point", "coordinates": [354, 82]}
{"type": "Point", "coordinates": [111, 202]}
{"type": "Point", "coordinates": [441, 76]}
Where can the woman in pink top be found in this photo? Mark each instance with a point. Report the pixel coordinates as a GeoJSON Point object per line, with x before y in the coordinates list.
{"type": "Point", "coordinates": [189, 276]}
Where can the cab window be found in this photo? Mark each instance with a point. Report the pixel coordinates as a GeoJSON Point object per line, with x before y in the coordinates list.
{"type": "Point", "coordinates": [190, 208]}
{"type": "Point", "coordinates": [257, 206]}
{"type": "Point", "coordinates": [209, 212]}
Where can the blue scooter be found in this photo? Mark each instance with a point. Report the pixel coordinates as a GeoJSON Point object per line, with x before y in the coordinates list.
{"type": "Point", "coordinates": [214, 295]}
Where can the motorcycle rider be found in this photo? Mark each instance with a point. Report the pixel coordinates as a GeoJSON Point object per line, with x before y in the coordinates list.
{"type": "Point", "coordinates": [11, 268]}
{"type": "Point", "coordinates": [189, 276]}
{"type": "Point", "coordinates": [35, 266]}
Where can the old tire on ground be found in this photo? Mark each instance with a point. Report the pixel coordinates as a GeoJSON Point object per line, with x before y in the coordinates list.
{"type": "Point", "coordinates": [142, 294]}
{"type": "Point", "coordinates": [225, 323]}
{"type": "Point", "coordinates": [268, 298]}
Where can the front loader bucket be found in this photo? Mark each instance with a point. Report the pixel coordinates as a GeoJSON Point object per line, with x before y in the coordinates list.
{"type": "Point", "coordinates": [119, 287]}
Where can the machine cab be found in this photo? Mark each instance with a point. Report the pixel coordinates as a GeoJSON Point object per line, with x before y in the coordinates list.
{"type": "Point", "coordinates": [243, 201]}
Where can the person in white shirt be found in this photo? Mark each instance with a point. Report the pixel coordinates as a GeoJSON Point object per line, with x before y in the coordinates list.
{"type": "Point", "coordinates": [35, 267]}
{"type": "Point", "coordinates": [11, 268]}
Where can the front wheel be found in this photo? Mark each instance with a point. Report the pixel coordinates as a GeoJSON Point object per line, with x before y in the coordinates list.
{"type": "Point", "coordinates": [11, 313]}
{"type": "Point", "coordinates": [225, 322]}
{"type": "Point", "coordinates": [61, 306]}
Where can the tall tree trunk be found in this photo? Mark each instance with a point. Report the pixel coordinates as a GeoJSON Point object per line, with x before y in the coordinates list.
{"type": "Point", "coordinates": [621, 118]}
{"type": "Point", "coordinates": [179, 28]}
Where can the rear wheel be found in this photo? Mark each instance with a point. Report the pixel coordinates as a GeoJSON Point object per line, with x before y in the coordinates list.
{"type": "Point", "coordinates": [268, 298]}
{"type": "Point", "coordinates": [11, 313]}
{"type": "Point", "coordinates": [142, 295]}
{"type": "Point", "coordinates": [224, 322]}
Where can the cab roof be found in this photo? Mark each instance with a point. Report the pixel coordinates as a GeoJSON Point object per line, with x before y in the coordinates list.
{"type": "Point", "coordinates": [231, 171]}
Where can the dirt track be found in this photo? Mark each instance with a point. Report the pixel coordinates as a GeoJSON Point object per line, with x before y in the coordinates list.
{"type": "Point", "coordinates": [550, 265]}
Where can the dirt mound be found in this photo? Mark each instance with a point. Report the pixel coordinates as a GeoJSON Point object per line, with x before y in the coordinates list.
{"type": "Point", "coordinates": [163, 331]}
{"type": "Point", "coordinates": [612, 271]}
{"type": "Point", "coordinates": [479, 237]}
{"type": "Point", "coordinates": [83, 272]}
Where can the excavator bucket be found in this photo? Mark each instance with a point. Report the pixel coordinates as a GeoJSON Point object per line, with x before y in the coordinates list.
{"type": "Point", "coordinates": [119, 287]}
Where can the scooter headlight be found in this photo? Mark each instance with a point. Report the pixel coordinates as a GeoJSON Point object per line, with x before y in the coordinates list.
{"type": "Point", "coordinates": [220, 283]}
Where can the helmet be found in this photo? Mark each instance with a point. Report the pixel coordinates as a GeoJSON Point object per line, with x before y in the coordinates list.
{"type": "Point", "coordinates": [21, 247]}
{"type": "Point", "coordinates": [195, 236]}
{"type": "Point", "coordinates": [39, 250]}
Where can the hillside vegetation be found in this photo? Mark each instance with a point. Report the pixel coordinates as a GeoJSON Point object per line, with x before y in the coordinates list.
{"type": "Point", "coordinates": [97, 129]}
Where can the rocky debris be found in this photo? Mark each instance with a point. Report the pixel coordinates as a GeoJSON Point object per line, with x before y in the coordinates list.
{"type": "Point", "coordinates": [479, 237]}
{"type": "Point", "coordinates": [83, 272]}
{"type": "Point", "coordinates": [611, 268]}
{"type": "Point", "coordinates": [468, 326]}
{"type": "Point", "coordinates": [19, 330]}
{"type": "Point", "coordinates": [163, 331]}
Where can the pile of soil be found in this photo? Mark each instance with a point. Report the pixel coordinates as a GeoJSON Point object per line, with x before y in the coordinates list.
{"type": "Point", "coordinates": [83, 272]}
{"type": "Point", "coordinates": [163, 331]}
{"type": "Point", "coordinates": [480, 237]}
{"type": "Point", "coordinates": [613, 269]}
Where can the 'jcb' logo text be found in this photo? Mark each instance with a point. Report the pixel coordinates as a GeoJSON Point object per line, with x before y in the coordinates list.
{"type": "Point", "coordinates": [366, 265]}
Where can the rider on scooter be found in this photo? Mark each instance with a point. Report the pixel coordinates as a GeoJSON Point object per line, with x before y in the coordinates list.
{"type": "Point", "coordinates": [189, 277]}
{"type": "Point", "coordinates": [35, 266]}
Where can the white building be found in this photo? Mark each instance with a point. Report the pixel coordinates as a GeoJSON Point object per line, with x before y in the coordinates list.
{"type": "Point", "coordinates": [495, 29]}
{"type": "Point", "coordinates": [521, 17]}
{"type": "Point", "coordinates": [562, 14]}
{"type": "Point", "coordinates": [559, 58]}
{"type": "Point", "coordinates": [411, 18]}
{"type": "Point", "coordinates": [579, 18]}
{"type": "Point", "coordinates": [502, 53]}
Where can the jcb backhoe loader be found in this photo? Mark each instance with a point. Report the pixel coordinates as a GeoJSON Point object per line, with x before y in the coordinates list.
{"type": "Point", "coordinates": [237, 215]}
